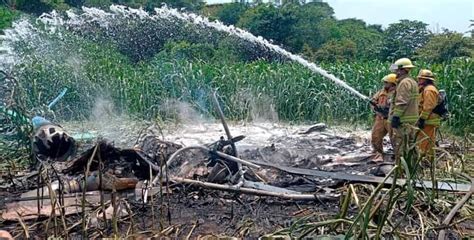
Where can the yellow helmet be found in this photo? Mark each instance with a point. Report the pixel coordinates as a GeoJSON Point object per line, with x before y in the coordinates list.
{"type": "Point", "coordinates": [402, 63]}
{"type": "Point", "coordinates": [390, 78]}
{"type": "Point", "coordinates": [426, 74]}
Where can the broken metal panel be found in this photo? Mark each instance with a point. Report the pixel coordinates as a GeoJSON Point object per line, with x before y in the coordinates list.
{"type": "Point", "coordinates": [29, 209]}
{"type": "Point", "coordinates": [456, 187]}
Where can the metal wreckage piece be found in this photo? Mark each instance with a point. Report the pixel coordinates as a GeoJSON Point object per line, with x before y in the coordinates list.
{"type": "Point", "coordinates": [226, 167]}
{"type": "Point", "coordinates": [242, 185]}
{"type": "Point", "coordinates": [153, 156]}
{"type": "Point", "coordinates": [51, 141]}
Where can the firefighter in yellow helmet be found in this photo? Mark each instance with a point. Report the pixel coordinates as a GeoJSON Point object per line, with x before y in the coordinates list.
{"type": "Point", "coordinates": [381, 106]}
{"type": "Point", "coordinates": [404, 107]}
{"type": "Point", "coordinates": [429, 120]}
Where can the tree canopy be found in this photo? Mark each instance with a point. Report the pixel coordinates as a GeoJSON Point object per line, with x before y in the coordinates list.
{"type": "Point", "coordinates": [404, 38]}
{"type": "Point", "coordinates": [446, 46]}
{"type": "Point", "coordinates": [309, 28]}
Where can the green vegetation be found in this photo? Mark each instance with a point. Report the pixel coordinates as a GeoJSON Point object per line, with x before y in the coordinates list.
{"type": "Point", "coordinates": [312, 29]}
{"type": "Point", "coordinates": [446, 46]}
{"type": "Point", "coordinates": [180, 73]}
{"type": "Point", "coordinates": [7, 16]}
{"type": "Point", "coordinates": [140, 66]}
{"type": "Point", "coordinates": [307, 28]}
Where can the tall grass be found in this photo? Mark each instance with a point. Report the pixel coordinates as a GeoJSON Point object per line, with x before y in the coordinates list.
{"type": "Point", "coordinates": [93, 69]}
{"type": "Point", "coordinates": [295, 93]}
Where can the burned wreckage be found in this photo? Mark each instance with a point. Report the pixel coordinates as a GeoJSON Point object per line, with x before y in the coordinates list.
{"type": "Point", "coordinates": [76, 174]}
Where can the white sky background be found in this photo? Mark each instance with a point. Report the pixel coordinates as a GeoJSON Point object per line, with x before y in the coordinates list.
{"type": "Point", "coordinates": [451, 14]}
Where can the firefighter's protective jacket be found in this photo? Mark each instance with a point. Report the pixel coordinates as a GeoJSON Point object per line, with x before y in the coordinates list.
{"type": "Point", "coordinates": [405, 100]}
{"type": "Point", "coordinates": [429, 100]}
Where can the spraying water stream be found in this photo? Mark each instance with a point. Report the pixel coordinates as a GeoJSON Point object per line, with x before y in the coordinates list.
{"type": "Point", "coordinates": [53, 20]}
{"type": "Point", "coordinates": [199, 20]}
{"type": "Point", "coordinates": [60, 50]}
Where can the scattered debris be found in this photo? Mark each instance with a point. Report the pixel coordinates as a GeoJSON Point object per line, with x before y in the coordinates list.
{"type": "Point", "coordinates": [450, 216]}
{"type": "Point", "coordinates": [275, 193]}
{"type": "Point", "coordinates": [124, 162]}
{"type": "Point", "coordinates": [303, 173]}
{"type": "Point", "coordinates": [315, 128]}
{"type": "Point", "coordinates": [109, 182]}
{"type": "Point", "coordinates": [43, 208]}
{"type": "Point", "coordinates": [457, 187]}
{"type": "Point", "coordinates": [120, 211]}
{"type": "Point", "coordinates": [53, 143]}
{"type": "Point", "coordinates": [4, 235]}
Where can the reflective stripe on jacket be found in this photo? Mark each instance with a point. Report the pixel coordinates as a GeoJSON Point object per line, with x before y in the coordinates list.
{"type": "Point", "coordinates": [405, 101]}
{"type": "Point", "coordinates": [428, 101]}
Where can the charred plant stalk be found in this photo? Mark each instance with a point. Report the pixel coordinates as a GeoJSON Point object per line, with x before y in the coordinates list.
{"type": "Point", "coordinates": [25, 228]}
{"type": "Point", "coordinates": [114, 213]}
{"type": "Point", "coordinates": [130, 214]}
{"type": "Point", "coordinates": [450, 216]}
{"type": "Point", "coordinates": [151, 201]}
{"type": "Point", "coordinates": [54, 202]}
{"type": "Point", "coordinates": [345, 204]}
{"type": "Point", "coordinates": [191, 231]}
{"type": "Point", "coordinates": [62, 206]}
{"type": "Point", "coordinates": [101, 191]}
{"type": "Point", "coordinates": [377, 207]}
{"type": "Point", "coordinates": [368, 203]}
{"type": "Point", "coordinates": [84, 190]}
{"type": "Point", "coordinates": [161, 195]}
{"type": "Point", "coordinates": [168, 195]}
{"type": "Point", "coordinates": [389, 205]}
{"type": "Point", "coordinates": [39, 191]}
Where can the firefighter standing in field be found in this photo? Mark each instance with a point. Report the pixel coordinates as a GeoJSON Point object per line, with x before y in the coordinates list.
{"type": "Point", "coordinates": [429, 120]}
{"type": "Point", "coordinates": [381, 106]}
{"type": "Point", "coordinates": [404, 106]}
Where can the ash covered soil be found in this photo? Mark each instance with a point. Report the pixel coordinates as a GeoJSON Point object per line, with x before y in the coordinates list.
{"type": "Point", "coordinates": [192, 211]}
{"type": "Point", "coordinates": [201, 212]}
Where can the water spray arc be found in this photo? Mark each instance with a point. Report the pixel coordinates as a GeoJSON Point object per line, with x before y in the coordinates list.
{"type": "Point", "coordinates": [100, 17]}
{"type": "Point", "coordinates": [199, 20]}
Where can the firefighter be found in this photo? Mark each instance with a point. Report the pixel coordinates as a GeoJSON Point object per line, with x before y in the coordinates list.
{"type": "Point", "coordinates": [429, 121]}
{"type": "Point", "coordinates": [404, 107]}
{"type": "Point", "coordinates": [381, 105]}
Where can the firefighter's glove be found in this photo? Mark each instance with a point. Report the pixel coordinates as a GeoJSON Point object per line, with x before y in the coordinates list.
{"type": "Point", "coordinates": [421, 123]}
{"type": "Point", "coordinates": [395, 122]}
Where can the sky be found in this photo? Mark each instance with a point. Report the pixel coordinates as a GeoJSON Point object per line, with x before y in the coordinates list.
{"type": "Point", "coordinates": [451, 14]}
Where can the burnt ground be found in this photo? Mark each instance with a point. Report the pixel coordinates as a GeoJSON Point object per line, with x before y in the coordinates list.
{"type": "Point", "coordinates": [196, 212]}
{"type": "Point", "coordinates": [232, 215]}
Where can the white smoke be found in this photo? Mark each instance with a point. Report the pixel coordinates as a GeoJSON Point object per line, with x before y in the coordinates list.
{"type": "Point", "coordinates": [182, 112]}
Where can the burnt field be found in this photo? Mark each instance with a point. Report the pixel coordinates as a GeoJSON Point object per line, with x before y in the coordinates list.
{"type": "Point", "coordinates": [309, 181]}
